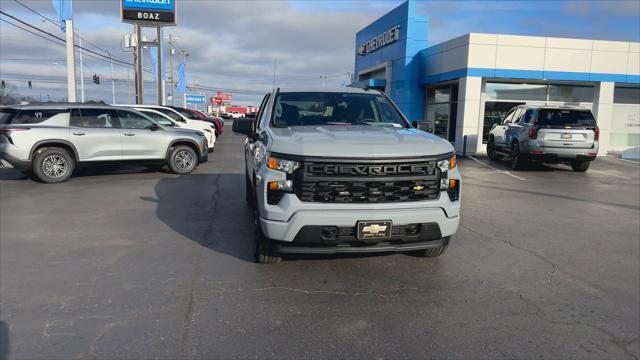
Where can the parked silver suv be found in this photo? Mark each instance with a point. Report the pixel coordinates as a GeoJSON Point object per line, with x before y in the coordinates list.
{"type": "Point", "coordinates": [547, 134]}
{"type": "Point", "coordinates": [50, 140]}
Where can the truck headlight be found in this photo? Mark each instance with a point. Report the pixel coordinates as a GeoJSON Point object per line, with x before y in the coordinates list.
{"type": "Point", "coordinates": [445, 166]}
{"type": "Point", "coordinates": [448, 164]}
{"type": "Point", "coordinates": [288, 166]}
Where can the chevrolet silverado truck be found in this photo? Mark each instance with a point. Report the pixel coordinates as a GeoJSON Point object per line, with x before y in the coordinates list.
{"type": "Point", "coordinates": [343, 171]}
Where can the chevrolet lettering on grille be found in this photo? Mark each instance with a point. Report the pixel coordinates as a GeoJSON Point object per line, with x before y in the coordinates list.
{"type": "Point", "coordinates": [369, 170]}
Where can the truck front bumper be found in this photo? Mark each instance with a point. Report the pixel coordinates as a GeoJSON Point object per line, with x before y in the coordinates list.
{"type": "Point", "coordinates": [288, 230]}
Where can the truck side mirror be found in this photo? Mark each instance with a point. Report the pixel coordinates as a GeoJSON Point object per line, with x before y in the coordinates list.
{"type": "Point", "coordinates": [421, 124]}
{"type": "Point", "coordinates": [244, 126]}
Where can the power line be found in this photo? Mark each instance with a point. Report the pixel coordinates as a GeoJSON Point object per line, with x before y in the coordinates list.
{"type": "Point", "coordinates": [61, 39]}
{"type": "Point", "coordinates": [57, 24]}
{"type": "Point", "coordinates": [102, 57]}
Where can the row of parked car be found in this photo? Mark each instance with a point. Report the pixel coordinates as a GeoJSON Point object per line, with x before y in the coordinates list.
{"type": "Point", "coordinates": [49, 140]}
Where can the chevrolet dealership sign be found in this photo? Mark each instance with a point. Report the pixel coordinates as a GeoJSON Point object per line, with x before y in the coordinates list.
{"type": "Point", "coordinates": [149, 12]}
{"type": "Point", "coordinates": [382, 40]}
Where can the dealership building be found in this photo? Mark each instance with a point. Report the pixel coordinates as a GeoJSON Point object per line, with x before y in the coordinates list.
{"type": "Point", "coordinates": [461, 87]}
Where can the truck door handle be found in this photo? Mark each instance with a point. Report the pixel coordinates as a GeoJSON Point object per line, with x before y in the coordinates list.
{"type": "Point", "coordinates": [78, 133]}
{"type": "Point", "coordinates": [129, 134]}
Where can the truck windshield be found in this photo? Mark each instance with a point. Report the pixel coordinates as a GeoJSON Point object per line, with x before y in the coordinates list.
{"type": "Point", "coordinates": [330, 108]}
{"type": "Point", "coordinates": [565, 118]}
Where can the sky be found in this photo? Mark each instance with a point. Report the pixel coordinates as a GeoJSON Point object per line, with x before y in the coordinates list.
{"type": "Point", "coordinates": [232, 44]}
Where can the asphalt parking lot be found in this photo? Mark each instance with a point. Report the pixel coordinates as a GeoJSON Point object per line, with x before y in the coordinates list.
{"type": "Point", "coordinates": [122, 262]}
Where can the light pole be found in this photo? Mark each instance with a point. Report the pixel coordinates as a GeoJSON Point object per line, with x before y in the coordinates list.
{"type": "Point", "coordinates": [323, 77]}
{"type": "Point", "coordinates": [171, 53]}
{"type": "Point", "coordinates": [113, 84]}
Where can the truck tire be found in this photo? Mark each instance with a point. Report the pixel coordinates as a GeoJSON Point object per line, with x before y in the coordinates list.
{"type": "Point", "coordinates": [182, 160]}
{"type": "Point", "coordinates": [491, 150]}
{"type": "Point", "coordinates": [433, 252]}
{"type": "Point", "coordinates": [264, 252]}
{"type": "Point", "coordinates": [53, 165]}
{"type": "Point", "coordinates": [518, 161]}
{"type": "Point", "coordinates": [580, 166]}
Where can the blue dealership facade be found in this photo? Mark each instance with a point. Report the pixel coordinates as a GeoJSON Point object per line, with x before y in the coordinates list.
{"type": "Point", "coordinates": [462, 86]}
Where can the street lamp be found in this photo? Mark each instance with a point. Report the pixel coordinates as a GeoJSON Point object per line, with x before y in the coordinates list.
{"type": "Point", "coordinates": [323, 77]}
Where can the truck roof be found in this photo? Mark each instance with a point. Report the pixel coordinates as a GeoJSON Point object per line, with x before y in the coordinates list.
{"type": "Point", "coordinates": [351, 90]}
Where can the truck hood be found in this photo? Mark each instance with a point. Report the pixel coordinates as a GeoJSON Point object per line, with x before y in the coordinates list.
{"type": "Point", "coordinates": [356, 141]}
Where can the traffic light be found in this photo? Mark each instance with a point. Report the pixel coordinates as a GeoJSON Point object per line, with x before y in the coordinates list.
{"type": "Point", "coordinates": [29, 84]}
{"type": "Point", "coordinates": [96, 79]}
{"type": "Point", "coordinates": [3, 85]}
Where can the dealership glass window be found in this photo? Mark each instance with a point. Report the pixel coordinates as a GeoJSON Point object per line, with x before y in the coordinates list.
{"type": "Point", "coordinates": [625, 119]}
{"type": "Point", "coordinates": [626, 95]}
{"type": "Point", "coordinates": [571, 93]}
{"type": "Point", "coordinates": [442, 106]}
{"type": "Point", "coordinates": [514, 91]}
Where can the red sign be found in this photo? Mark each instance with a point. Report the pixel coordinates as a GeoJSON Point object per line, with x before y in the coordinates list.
{"type": "Point", "coordinates": [224, 96]}
{"type": "Point", "coordinates": [218, 101]}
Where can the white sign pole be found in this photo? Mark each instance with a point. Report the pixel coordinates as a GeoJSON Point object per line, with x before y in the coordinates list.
{"type": "Point", "coordinates": [71, 62]}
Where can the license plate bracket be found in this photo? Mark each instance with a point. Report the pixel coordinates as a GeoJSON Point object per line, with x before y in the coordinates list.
{"type": "Point", "coordinates": [565, 136]}
{"type": "Point", "coordinates": [374, 229]}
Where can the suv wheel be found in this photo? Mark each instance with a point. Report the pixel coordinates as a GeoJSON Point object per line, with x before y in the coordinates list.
{"type": "Point", "coordinates": [432, 252]}
{"type": "Point", "coordinates": [53, 165]}
{"type": "Point", "coordinates": [580, 166]}
{"type": "Point", "coordinates": [263, 249]}
{"type": "Point", "coordinates": [517, 160]}
{"type": "Point", "coordinates": [182, 160]}
{"type": "Point", "coordinates": [491, 150]}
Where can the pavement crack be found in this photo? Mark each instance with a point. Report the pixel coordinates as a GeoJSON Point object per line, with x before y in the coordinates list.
{"type": "Point", "coordinates": [189, 315]}
{"type": "Point", "coordinates": [549, 274]}
{"type": "Point", "coordinates": [302, 291]}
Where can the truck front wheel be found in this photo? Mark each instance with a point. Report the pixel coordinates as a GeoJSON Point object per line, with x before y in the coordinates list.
{"type": "Point", "coordinates": [432, 252]}
{"type": "Point", "coordinates": [264, 251]}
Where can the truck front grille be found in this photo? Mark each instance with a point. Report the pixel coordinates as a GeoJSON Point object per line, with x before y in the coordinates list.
{"type": "Point", "coordinates": [369, 191]}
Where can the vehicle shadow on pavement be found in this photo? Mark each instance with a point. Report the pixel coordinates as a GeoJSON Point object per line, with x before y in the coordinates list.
{"type": "Point", "coordinates": [208, 209]}
{"type": "Point", "coordinates": [4, 340]}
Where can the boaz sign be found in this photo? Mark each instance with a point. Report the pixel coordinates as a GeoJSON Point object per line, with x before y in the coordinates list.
{"type": "Point", "coordinates": [149, 12]}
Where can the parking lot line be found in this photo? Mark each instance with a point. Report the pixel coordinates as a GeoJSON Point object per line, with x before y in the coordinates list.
{"type": "Point", "coordinates": [631, 161]}
{"type": "Point", "coordinates": [496, 169]}
{"type": "Point", "coordinates": [613, 175]}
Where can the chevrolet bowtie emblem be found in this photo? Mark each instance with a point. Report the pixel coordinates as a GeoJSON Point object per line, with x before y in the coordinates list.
{"type": "Point", "coordinates": [374, 229]}
{"type": "Point", "coordinates": [418, 187]}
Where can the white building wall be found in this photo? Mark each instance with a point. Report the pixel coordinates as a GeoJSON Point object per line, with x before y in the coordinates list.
{"type": "Point", "coordinates": [514, 52]}
{"type": "Point", "coordinates": [468, 122]}
{"type": "Point", "coordinates": [603, 112]}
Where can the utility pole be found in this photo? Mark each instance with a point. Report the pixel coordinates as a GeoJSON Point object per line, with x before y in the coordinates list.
{"type": "Point", "coordinates": [159, 73]}
{"type": "Point", "coordinates": [275, 63]}
{"type": "Point", "coordinates": [71, 62]}
{"type": "Point", "coordinates": [113, 84]}
{"type": "Point", "coordinates": [171, 52]}
{"type": "Point", "coordinates": [81, 69]}
{"type": "Point", "coordinates": [128, 88]}
{"type": "Point", "coordinates": [138, 63]}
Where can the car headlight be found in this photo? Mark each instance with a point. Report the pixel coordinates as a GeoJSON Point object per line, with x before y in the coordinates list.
{"type": "Point", "coordinates": [288, 166]}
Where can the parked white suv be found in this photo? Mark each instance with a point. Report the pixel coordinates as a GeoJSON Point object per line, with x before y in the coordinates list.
{"type": "Point", "coordinates": [208, 128]}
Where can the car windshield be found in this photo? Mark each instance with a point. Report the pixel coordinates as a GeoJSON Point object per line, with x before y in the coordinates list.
{"type": "Point", "coordinates": [169, 113]}
{"type": "Point", "coordinates": [187, 114]}
{"type": "Point", "coordinates": [160, 119]}
{"type": "Point", "coordinates": [565, 118]}
{"type": "Point", "coordinates": [330, 108]}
